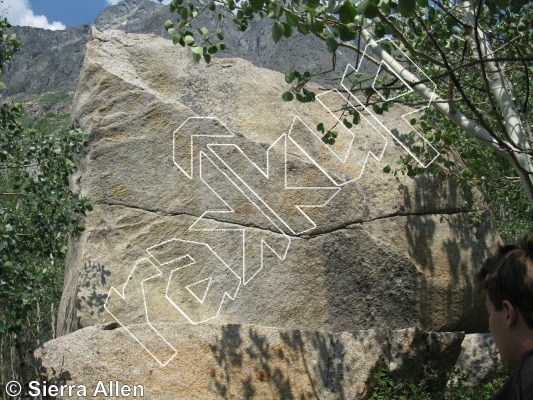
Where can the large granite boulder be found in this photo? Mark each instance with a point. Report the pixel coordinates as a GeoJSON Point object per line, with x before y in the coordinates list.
{"type": "Point", "coordinates": [212, 202]}
{"type": "Point", "coordinates": [212, 362]}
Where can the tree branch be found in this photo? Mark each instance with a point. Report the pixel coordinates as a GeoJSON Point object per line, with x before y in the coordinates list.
{"type": "Point", "coordinates": [406, 43]}
{"type": "Point", "coordinates": [458, 118]}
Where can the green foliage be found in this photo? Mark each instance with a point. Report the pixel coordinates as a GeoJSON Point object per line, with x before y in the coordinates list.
{"type": "Point", "coordinates": [387, 388]}
{"type": "Point", "coordinates": [55, 97]}
{"type": "Point", "coordinates": [9, 45]}
{"type": "Point", "coordinates": [37, 210]}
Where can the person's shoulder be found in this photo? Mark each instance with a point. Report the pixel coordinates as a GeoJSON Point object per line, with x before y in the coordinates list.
{"type": "Point", "coordinates": [525, 379]}
{"type": "Point", "coordinates": [520, 385]}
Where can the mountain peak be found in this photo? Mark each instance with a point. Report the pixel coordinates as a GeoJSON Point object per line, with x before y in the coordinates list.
{"type": "Point", "coordinates": [128, 12]}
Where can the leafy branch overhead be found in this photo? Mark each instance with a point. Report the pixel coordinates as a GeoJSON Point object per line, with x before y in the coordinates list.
{"type": "Point", "coordinates": [478, 54]}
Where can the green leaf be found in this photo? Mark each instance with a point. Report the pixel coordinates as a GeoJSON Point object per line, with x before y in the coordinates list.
{"type": "Point", "coordinates": [309, 96]}
{"type": "Point", "coordinates": [168, 24]}
{"type": "Point", "coordinates": [385, 7]}
{"type": "Point", "coordinates": [248, 10]}
{"type": "Point", "coordinates": [277, 31]}
{"type": "Point", "coordinates": [184, 13]}
{"type": "Point", "coordinates": [347, 12]}
{"type": "Point", "coordinates": [172, 32]}
{"type": "Point", "coordinates": [347, 123]}
{"type": "Point", "coordinates": [303, 28]}
{"type": "Point", "coordinates": [377, 109]}
{"type": "Point", "coordinates": [352, 28]}
{"type": "Point", "coordinates": [379, 31]}
{"type": "Point", "coordinates": [332, 45]}
{"type": "Point", "coordinates": [287, 30]}
{"type": "Point", "coordinates": [196, 57]}
{"type": "Point", "coordinates": [221, 46]}
{"type": "Point", "coordinates": [189, 40]}
{"type": "Point", "coordinates": [406, 7]}
{"type": "Point", "coordinates": [212, 6]}
{"type": "Point", "coordinates": [203, 31]}
{"type": "Point", "coordinates": [197, 50]}
{"type": "Point", "coordinates": [271, 11]}
{"type": "Point", "coordinates": [368, 9]}
{"type": "Point", "coordinates": [387, 169]}
{"type": "Point", "coordinates": [257, 4]}
{"type": "Point", "coordinates": [287, 96]}
{"type": "Point", "coordinates": [345, 33]}
{"type": "Point", "coordinates": [207, 58]}
{"type": "Point", "coordinates": [291, 19]}
{"type": "Point", "coordinates": [289, 77]}
{"type": "Point", "coordinates": [279, 11]}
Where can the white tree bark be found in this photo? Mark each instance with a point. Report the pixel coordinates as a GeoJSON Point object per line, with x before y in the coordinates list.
{"type": "Point", "coordinates": [522, 161]}
{"type": "Point", "coordinates": [511, 119]}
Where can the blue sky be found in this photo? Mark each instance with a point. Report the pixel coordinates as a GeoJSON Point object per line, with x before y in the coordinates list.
{"type": "Point", "coordinates": [54, 14]}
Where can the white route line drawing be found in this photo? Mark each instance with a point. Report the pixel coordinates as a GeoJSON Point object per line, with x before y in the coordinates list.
{"type": "Point", "coordinates": [305, 146]}
{"type": "Point", "coordinates": [227, 181]}
{"type": "Point", "coordinates": [164, 344]}
{"type": "Point", "coordinates": [280, 254]}
{"type": "Point", "coordinates": [346, 86]}
{"type": "Point", "coordinates": [193, 262]}
{"type": "Point", "coordinates": [267, 174]}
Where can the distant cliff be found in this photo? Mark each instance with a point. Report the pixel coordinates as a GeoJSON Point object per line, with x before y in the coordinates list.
{"type": "Point", "coordinates": [51, 60]}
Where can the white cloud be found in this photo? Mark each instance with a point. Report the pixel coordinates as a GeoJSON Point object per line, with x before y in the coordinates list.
{"type": "Point", "coordinates": [19, 12]}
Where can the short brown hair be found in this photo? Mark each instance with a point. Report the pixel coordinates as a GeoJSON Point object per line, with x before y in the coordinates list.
{"type": "Point", "coordinates": [509, 276]}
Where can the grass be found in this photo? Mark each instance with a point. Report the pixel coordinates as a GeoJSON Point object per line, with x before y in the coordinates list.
{"type": "Point", "coordinates": [49, 123]}
{"type": "Point", "coordinates": [55, 97]}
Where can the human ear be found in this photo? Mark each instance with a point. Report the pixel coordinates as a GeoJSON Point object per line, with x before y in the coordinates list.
{"type": "Point", "coordinates": [510, 317]}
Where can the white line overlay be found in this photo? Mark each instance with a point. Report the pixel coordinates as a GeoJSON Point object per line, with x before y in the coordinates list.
{"type": "Point", "coordinates": [189, 275]}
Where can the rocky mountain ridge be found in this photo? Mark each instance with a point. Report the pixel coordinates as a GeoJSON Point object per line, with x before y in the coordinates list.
{"type": "Point", "coordinates": [50, 61]}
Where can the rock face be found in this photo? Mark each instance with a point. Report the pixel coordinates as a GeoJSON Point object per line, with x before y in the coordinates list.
{"type": "Point", "coordinates": [212, 202]}
{"type": "Point", "coordinates": [212, 361]}
{"type": "Point", "coordinates": [49, 60]}
{"type": "Point", "coordinates": [478, 358]}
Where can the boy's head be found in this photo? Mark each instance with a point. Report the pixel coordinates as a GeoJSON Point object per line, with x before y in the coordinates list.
{"type": "Point", "coordinates": [506, 280]}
